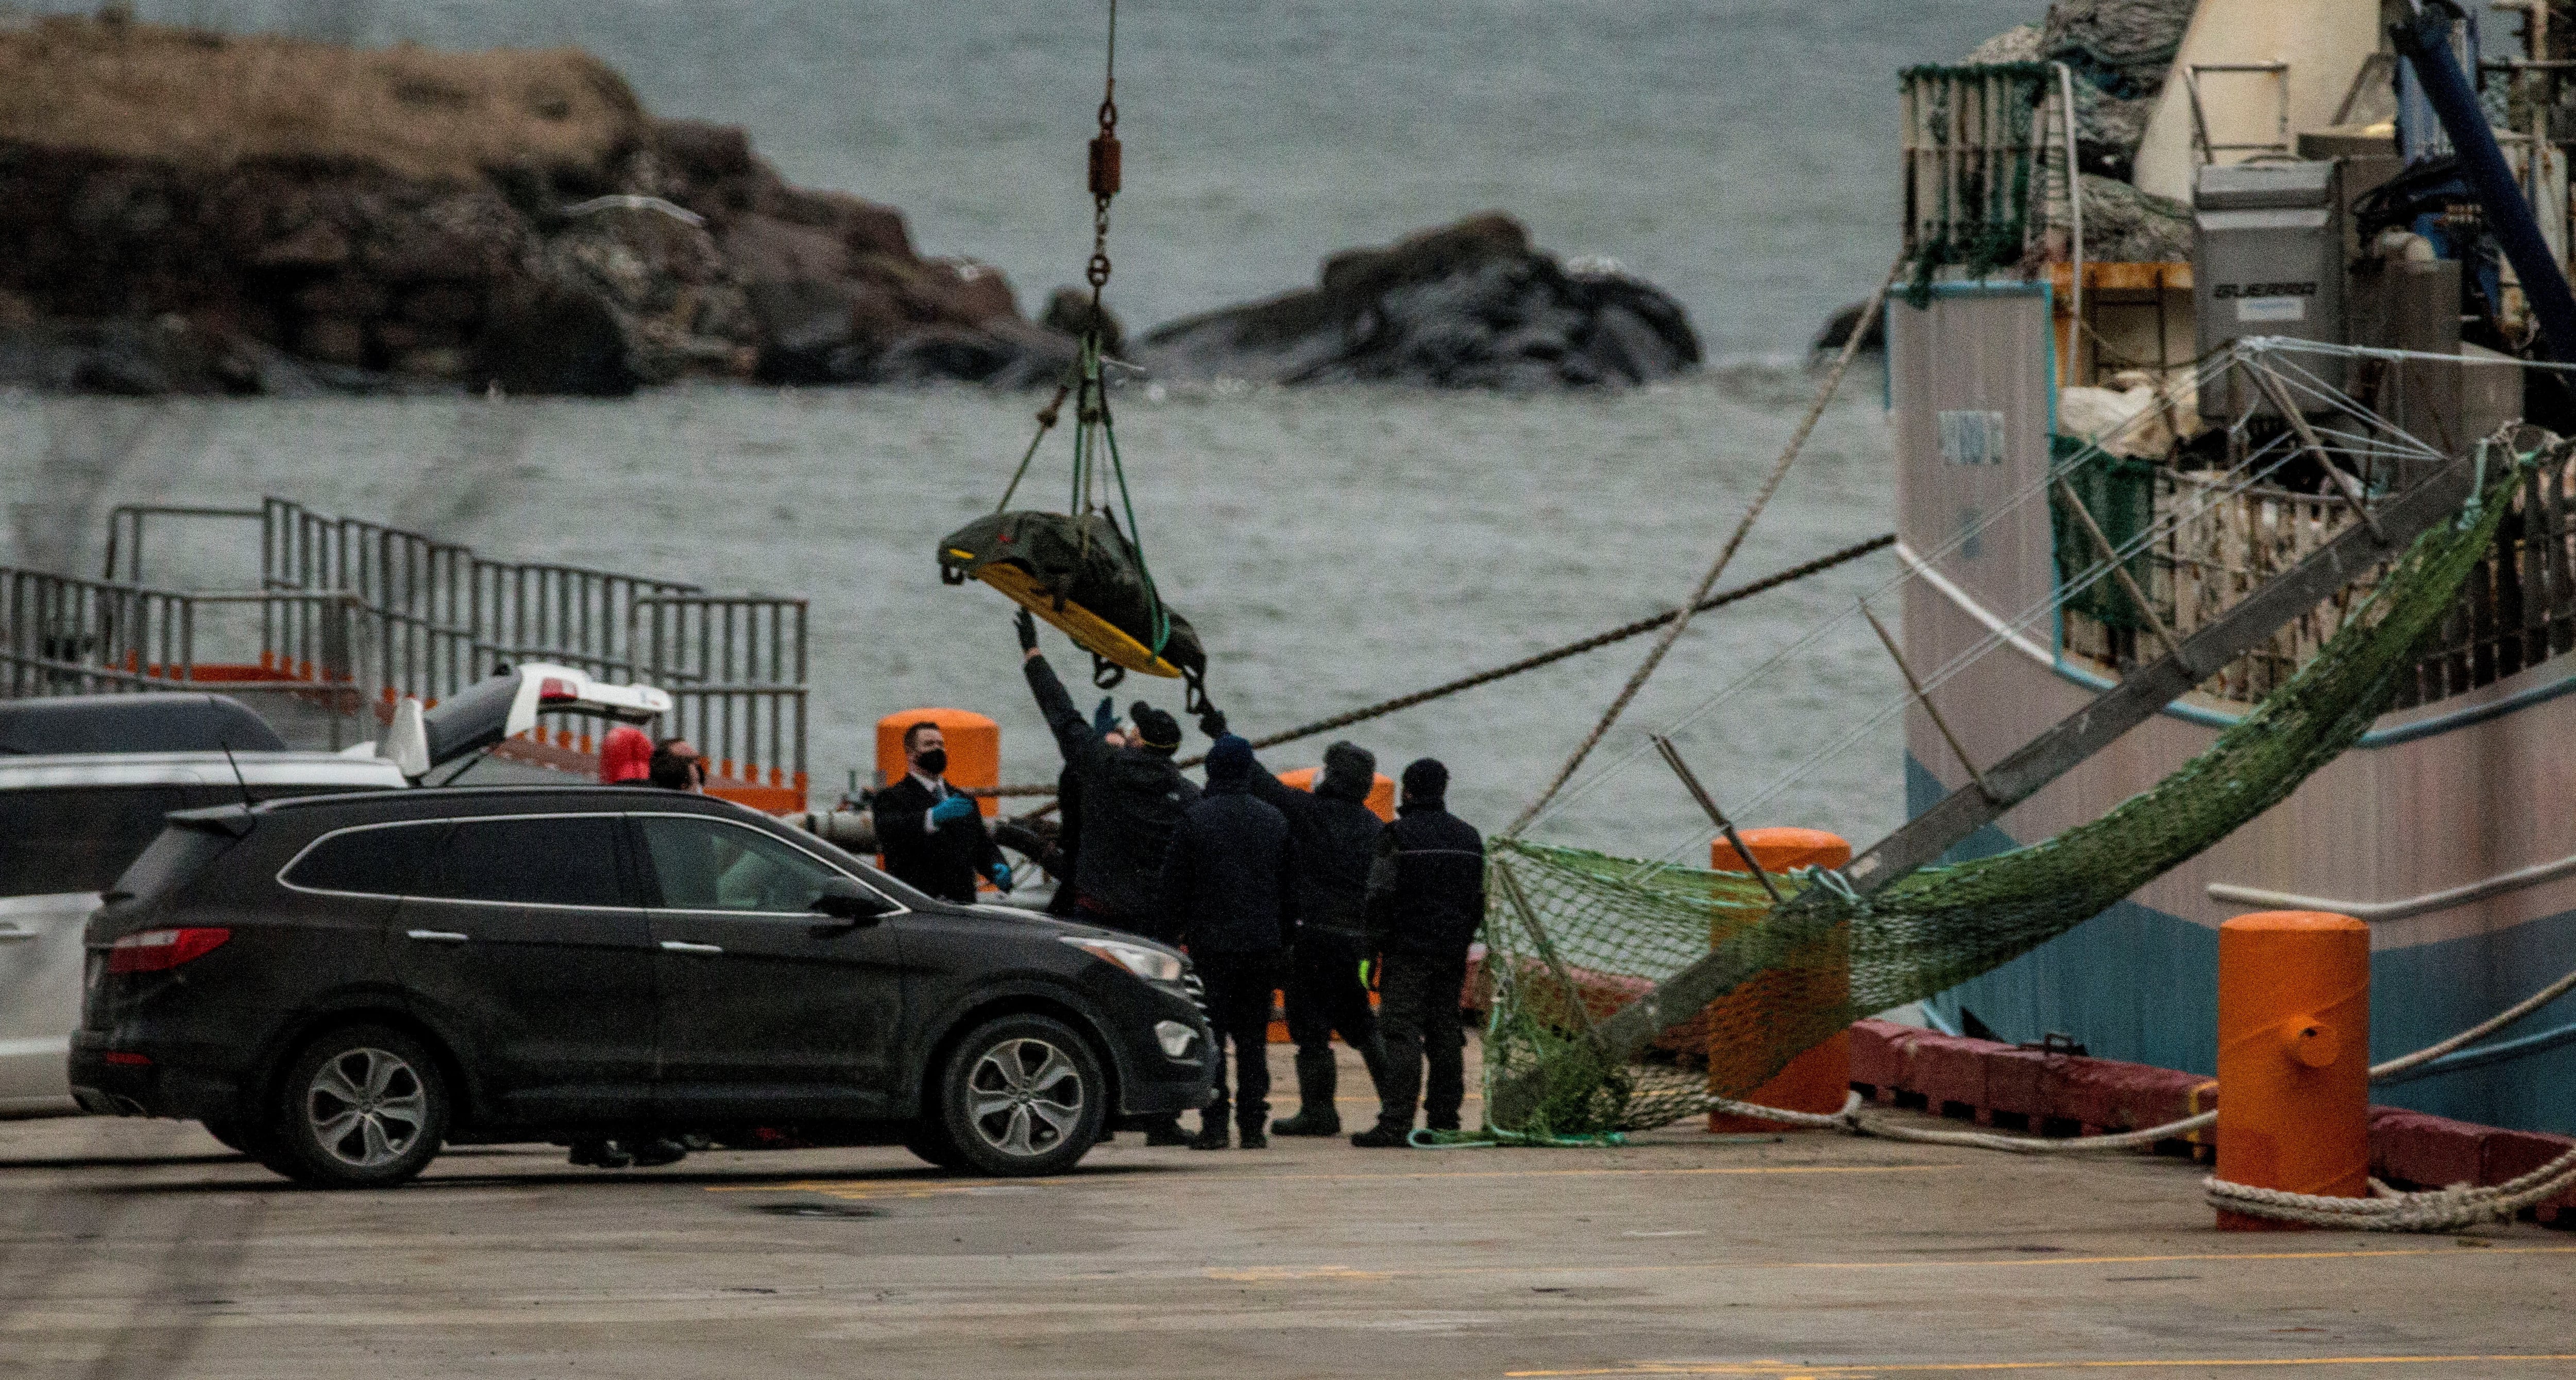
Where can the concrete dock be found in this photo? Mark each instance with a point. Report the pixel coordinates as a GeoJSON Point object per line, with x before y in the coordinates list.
{"type": "Point", "coordinates": [143, 1249]}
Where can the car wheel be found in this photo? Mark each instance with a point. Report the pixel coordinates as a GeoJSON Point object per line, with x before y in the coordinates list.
{"type": "Point", "coordinates": [927, 1137]}
{"type": "Point", "coordinates": [362, 1107]}
{"type": "Point", "coordinates": [227, 1136]}
{"type": "Point", "coordinates": [1022, 1095]}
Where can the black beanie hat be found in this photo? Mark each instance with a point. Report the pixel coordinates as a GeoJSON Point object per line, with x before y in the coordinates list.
{"type": "Point", "coordinates": [1349, 771]}
{"type": "Point", "coordinates": [1426, 781]}
{"type": "Point", "coordinates": [1156, 729]}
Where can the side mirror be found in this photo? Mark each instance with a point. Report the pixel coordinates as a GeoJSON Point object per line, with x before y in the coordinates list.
{"type": "Point", "coordinates": [844, 899]}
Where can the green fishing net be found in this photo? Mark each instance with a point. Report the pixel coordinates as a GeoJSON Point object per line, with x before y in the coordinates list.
{"type": "Point", "coordinates": [1573, 936]}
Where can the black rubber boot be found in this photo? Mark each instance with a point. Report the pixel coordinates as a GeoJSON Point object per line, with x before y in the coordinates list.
{"type": "Point", "coordinates": [1212, 1135]}
{"type": "Point", "coordinates": [1383, 1137]}
{"type": "Point", "coordinates": [1312, 1121]}
{"type": "Point", "coordinates": [1315, 1087]}
{"type": "Point", "coordinates": [1166, 1133]}
{"type": "Point", "coordinates": [1252, 1139]}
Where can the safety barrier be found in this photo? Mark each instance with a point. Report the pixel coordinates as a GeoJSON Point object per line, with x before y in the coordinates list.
{"type": "Point", "coordinates": [349, 613]}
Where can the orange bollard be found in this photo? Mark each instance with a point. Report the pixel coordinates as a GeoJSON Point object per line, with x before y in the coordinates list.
{"type": "Point", "coordinates": [1381, 796]}
{"type": "Point", "coordinates": [1818, 1080]}
{"type": "Point", "coordinates": [974, 749]}
{"type": "Point", "coordinates": [2293, 1057]}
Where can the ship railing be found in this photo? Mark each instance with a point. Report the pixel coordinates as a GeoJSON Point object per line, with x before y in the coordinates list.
{"type": "Point", "coordinates": [2518, 609]}
{"type": "Point", "coordinates": [1983, 184]}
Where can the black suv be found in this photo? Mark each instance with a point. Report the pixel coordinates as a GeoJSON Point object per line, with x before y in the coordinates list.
{"type": "Point", "coordinates": [341, 984]}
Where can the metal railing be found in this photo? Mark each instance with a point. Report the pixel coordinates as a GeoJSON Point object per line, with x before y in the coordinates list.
{"type": "Point", "coordinates": [735, 667]}
{"type": "Point", "coordinates": [2517, 610]}
{"type": "Point", "coordinates": [351, 614]}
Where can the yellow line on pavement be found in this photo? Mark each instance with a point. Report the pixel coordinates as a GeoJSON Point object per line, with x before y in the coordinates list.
{"type": "Point", "coordinates": [1273, 1273]}
{"type": "Point", "coordinates": [1862, 1372]}
{"type": "Point", "coordinates": [1637, 1173]}
{"type": "Point", "coordinates": [923, 1188]}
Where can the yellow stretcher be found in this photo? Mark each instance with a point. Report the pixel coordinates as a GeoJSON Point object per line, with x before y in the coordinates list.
{"type": "Point", "coordinates": [1088, 630]}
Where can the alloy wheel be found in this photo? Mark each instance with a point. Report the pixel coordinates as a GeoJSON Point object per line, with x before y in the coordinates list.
{"type": "Point", "coordinates": [366, 1107]}
{"type": "Point", "coordinates": [1025, 1096]}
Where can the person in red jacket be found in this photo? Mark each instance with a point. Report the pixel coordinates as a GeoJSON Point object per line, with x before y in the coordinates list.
{"type": "Point", "coordinates": [626, 754]}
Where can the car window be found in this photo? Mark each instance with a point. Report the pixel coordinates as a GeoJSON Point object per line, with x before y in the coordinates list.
{"type": "Point", "coordinates": [385, 861]}
{"type": "Point", "coordinates": [80, 838]}
{"type": "Point", "coordinates": [553, 860]}
{"type": "Point", "coordinates": [708, 864]}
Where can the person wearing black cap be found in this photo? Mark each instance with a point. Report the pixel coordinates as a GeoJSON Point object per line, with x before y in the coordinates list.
{"type": "Point", "coordinates": [1131, 798]}
{"type": "Point", "coordinates": [1426, 901]}
{"type": "Point", "coordinates": [1229, 890]}
{"type": "Point", "coordinates": [1336, 836]}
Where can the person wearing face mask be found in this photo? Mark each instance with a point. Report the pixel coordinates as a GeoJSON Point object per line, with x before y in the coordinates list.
{"type": "Point", "coordinates": [933, 836]}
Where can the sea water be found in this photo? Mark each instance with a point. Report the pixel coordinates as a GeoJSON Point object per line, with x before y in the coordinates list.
{"type": "Point", "coordinates": [1333, 546]}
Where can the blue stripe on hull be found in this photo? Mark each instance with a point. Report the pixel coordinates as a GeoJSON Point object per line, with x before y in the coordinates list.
{"type": "Point", "coordinates": [2138, 984]}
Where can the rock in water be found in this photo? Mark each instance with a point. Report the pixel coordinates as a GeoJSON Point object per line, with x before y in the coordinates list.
{"type": "Point", "coordinates": [511, 218]}
{"type": "Point", "coordinates": [1470, 305]}
{"type": "Point", "coordinates": [1838, 328]}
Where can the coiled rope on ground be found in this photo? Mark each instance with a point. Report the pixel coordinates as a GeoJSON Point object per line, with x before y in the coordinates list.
{"type": "Point", "coordinates": [2387, 1209]}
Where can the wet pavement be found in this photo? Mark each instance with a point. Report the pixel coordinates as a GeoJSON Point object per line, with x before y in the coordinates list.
{"type": "Point", "coordinates": [132, 1248]}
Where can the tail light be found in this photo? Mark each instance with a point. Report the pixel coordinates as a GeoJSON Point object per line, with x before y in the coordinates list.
{"type": "Point", "coordinates": [153, 951]}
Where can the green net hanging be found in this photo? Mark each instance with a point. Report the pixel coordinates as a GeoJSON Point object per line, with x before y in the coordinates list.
{"type": "Point", "coordinates": [1572, 936]}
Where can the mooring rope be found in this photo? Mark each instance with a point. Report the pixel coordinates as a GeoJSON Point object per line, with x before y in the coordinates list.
{"type": "Point", "coordinates": [1708, 581]}
{"type": "Point", "coordinates": [1532, 662]}
{"type": "Point", "coordinates": [2387, 1209]}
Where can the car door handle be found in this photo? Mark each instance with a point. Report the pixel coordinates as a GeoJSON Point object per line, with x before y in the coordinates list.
{"type": "Point", "coordinates": [682, 946]}
{"type": "Point", "coordinates": [13, 934]}
{"type": "Point", "coordinates": [438, 936]}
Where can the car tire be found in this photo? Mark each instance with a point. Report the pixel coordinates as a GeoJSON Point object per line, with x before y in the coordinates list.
{"type": "Point", "coordinates": [364, 1106]}
{"type": "Point", "coordinates": [228, 1136]}
{"type": "Point", "coordinates": [1022, 1096]}
{"type": "Point", "coordinates": [927, 1137]}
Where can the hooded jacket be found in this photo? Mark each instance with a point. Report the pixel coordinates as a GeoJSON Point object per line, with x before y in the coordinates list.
{"type": "Point", "coordinates": [1131, 800]}
{"type": "Point", "coordinates": [1426, 888]}
{"type": "Point", "coordinates": [1336, 837]}
{"type": "Point", "coordinates": [1229, 881]}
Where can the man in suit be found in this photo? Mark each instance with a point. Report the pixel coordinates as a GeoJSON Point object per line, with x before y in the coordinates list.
{"type": "Point", "coordinates": [934, 838]}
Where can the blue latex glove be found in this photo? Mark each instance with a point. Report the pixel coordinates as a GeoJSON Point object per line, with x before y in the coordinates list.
{"type": "Point", "coordinates": [1105, 717]}
{"type": "Point", "coordinates": [1001, 875]}
{"type": "Point", "coordinates": [951, 810]}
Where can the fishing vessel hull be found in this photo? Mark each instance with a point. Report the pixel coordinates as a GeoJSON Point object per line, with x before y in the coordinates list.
{"type": "Point", "coordinates": [2447, 828]}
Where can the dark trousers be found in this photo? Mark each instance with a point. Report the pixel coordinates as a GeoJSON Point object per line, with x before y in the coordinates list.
{"type": "Point", "coordinates": [1325, 995]}
{"type": "Point", "coordinates": [1418, 1020]}
{"type": "Point", "coordinates": [1238, 998]}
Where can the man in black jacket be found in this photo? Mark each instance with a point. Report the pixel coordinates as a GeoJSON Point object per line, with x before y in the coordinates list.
{"type": "Point", "coordinates": [1336, 837]}
{"type": "Point", "coordinates": [1132, 796]}
{"type": "Point", "coordinates": [934, 838]}
{"type": "Point", "coordinates": [1229, 890]}
{"type": "Point", "coordinates": [1426, 901]}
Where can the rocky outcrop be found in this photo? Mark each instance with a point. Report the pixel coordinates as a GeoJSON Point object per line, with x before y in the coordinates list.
{"type": "Point", "coordinates": [1472, 305]}
{"type": "Point", "coordinates": [445, 219]}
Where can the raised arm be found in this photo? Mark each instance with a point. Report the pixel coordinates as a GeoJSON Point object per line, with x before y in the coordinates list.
{"type": "Point", "coordinates": [1073, 734]}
